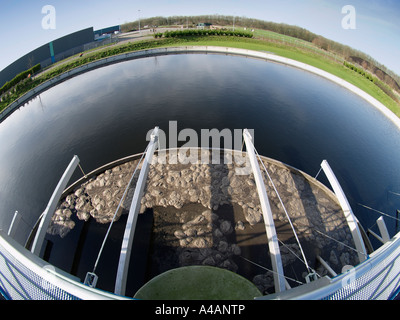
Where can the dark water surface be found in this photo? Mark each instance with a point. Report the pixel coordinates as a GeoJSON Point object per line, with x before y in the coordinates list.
{"type": "Point", "coordinates": [299, 118]}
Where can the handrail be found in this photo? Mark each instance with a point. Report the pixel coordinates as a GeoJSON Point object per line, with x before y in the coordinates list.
{"type": "Point", "coordinates": [348, 213]}
{"type": "Point", "coordinates": [123, 264]}
{"type": "Point", "coordinates": [51, 206]}
{"type": "Point", "coordinates": [91, 275]}
{"type": "Point", "coordinates": [276, 260]}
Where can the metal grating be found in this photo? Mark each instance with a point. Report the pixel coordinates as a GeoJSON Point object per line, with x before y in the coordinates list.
{"type": "Point", "coordinates": [24, 276]}
{"type": "Point", "coordinates": [19, 282]}
{"type": "Point", "coordinates": [376, 279]}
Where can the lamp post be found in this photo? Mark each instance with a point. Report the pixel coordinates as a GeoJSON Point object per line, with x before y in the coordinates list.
{"type": "Point", "coordinates": [139, 21]}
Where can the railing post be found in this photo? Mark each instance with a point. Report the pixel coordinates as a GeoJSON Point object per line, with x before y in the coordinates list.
{"type": "Point", "coordinates": [51, 206]}
{"type": "Point", "coordinates": [327, 266]}
{"type": "Point", "coordinates": [348, 213]}
{"type": "Point", "coordinates": [14, 224]}
{"type": "Point", "coordinates": [123, 264]}
{"type": "Point", "coordinates": [382, 229]}
{"type": "Point", "coordinates": [276, 260]}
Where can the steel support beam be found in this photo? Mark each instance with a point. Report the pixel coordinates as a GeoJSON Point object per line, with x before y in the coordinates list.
{"type": "Point", "coordinates": [126, 247]}
{"type": "Point", "coordinates": [276, 260]}
{"type": "Point", "coordinates": [14, 224]}
{"type": "Point", "coordinates": [327, 266]}
{"type": "Point", "coordinates": [382, 229]}
{"type": "Point", "coordinates": [51, 206]}
{"type": "Point", "coordinates": [348, 213]}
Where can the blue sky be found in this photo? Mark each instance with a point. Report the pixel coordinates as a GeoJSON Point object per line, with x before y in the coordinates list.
{"type": "Point", "coordinates": [377, 30]}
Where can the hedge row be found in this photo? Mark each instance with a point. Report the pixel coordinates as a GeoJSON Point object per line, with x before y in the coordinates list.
{"type": "Point", "coordinates": [200, 32]}
{"type": "Point", "coordinates": [90, 57]}
{"type": "Point", "coordinates": [360, 71]}
{"type": "Point", "coordinates": [380, 84]}
{"type": "Point", "coordinates": [21, 76]}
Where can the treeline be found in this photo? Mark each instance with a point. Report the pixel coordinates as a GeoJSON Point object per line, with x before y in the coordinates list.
{"type": "Point", "coordinates": [343, 51]}
{"type": "Point", "coordinates": [205, 32]}
{"type": "Point", "coordinates": [220, 20]}
{"type": "Point", "coordinates": [18, 78]}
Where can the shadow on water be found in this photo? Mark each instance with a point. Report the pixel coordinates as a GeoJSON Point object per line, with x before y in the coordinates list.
{"type": "Point", "coordinates": [78, 251]}
{"type": "Point", "coordinates": [313, 218]}
{"type": "Point", "coordinates": [140, 257]}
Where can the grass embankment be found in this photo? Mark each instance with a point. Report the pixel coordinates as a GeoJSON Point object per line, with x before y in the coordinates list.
{"type": "Point", "coordinates": [296, 53]}
{"type": "Point", "coordinates": [313, 59]}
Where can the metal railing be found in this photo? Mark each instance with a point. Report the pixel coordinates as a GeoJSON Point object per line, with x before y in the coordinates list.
{"type": "Point", "coordinates": [378, 277]}
{"type": "Point", "coordinates": [24, 276]}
